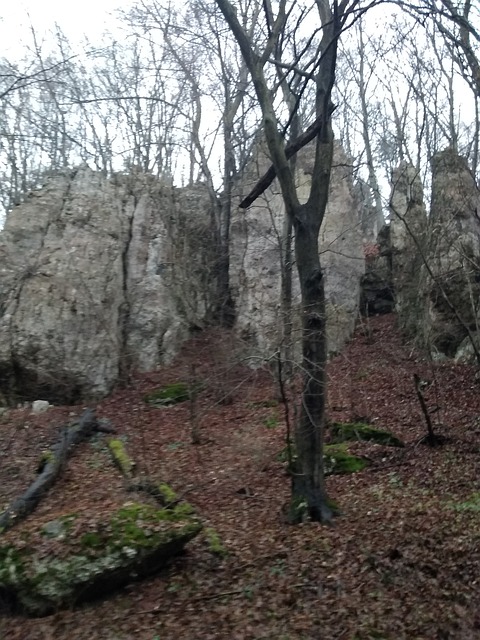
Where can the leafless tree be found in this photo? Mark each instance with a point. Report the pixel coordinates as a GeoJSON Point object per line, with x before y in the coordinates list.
{"type": "Point", "coordinates": [316, 64]}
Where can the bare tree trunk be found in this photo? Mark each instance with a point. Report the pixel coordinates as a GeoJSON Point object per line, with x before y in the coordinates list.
{"type": "Point", "coordinates": [362, 88]}
{"type": "Point", "coordinates": [308, 483]}
{"type": "Point", "coordinates": [309, 498]}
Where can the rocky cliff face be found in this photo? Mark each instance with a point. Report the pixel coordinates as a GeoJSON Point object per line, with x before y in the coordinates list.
{"type": "Point", "coordinates": [100, 277]}
{"type": "Point", "coordinates": [453, 252]}
{"type": "Point", "coordinates": [87, 286]}
{"type": "Point", "coordinates": [408, 235]}
{"type": "Point", "coordinates": [433, 263]}
{"type": "Point", "coordinates": [257, 253]}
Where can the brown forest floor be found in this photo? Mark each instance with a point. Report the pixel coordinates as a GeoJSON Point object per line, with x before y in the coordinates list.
{"type": "Point", "coordinates": [402, 562]}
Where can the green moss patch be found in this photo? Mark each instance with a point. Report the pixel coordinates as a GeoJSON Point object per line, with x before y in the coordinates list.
{"type": "Point", "coordinates": [47, 457]}
{"type": "Point", "coordinates": [337, 460]}
{"type": "Point", "coordinates": [168, 395]}
{"type": "Point", "coordinates": [471, 504]}
{"type": "Point", "coordinates": [120, 457]}
{"type": "Point", "coordinates": [167, 494]}
{"type": "Point", "coordinates": [214, 542]}
{"type": "Point", "coordinates": [358, 431]}
{"type": "Point", "coordinates": [137, 540]}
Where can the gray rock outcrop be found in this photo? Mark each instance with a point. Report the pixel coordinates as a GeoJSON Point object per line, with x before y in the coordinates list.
{"type": "Point", "coordinates": [451, 289]}
{"type": "Point", "coordinates": [408, 228]}
{"type": "Point", "coordinates": [101, 277]}
{"type": "Point", "coordinates": [433, 263]}
{"type": "Point", "coordinates": [87, 272]}
{"type": "Point", "coordinates": [257, 251]}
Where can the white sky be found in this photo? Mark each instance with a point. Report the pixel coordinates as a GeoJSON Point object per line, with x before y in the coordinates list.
{"type": "Point", "coordinates": [87, 17]}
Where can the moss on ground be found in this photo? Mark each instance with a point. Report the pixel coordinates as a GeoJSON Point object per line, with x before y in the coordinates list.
{"type": "Point", "coordinates": [168, 395]}
{"type": "Point", "coordinates": [471, 504]}
{"type": "Point", "coordinates": [214, 542]}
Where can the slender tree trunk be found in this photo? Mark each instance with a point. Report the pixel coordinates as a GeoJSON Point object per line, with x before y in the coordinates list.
{"type": "Point", "coordinates": [309, 495]}
{"type": "Point", "coordinates": [366, 129]}
{"type": "Point", "coordinates": [287, 349]}
{"type": "Point", "coordinates": [286, 296]}
{"type": "Point", "coordinates": [225, 309]}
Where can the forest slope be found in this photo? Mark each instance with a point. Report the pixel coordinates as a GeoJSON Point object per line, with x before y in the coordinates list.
{"type": "Point", "coordinates": [402, 562]}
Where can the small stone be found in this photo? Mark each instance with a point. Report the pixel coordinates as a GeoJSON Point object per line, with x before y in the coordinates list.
{"type": "Point", "coordinates": [40, 406]}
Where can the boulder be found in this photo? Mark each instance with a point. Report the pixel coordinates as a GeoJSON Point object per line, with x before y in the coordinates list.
{"type": "Point", "coordinates": [40, 406]}
{"type": "Point", "coordinates": [136, 541]}
{"type": "Point", "coordinates": [98, 277]}
{"type": "Point", "coordinates": [465, 353]}
{"type": "Point", "coordinates": [61, 294]}
{"type": "Point", "coordinates": [451, 289]}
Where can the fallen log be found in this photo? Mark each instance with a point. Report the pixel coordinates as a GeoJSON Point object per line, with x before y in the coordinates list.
{"type": "Point", "coordinates": [52, 464]}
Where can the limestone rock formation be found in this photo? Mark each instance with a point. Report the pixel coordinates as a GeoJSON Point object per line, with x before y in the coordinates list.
{"type": "Point", "coordinates": [87, 272]}
{"type": "Point", "coordinates": [408, 228]}
{"type": "Point", "coordinates": [452, 290]}
{"type": "Point", "coordinates": [377, 294]}
{"type": "Point", "coordinates": [257, 253]}
{"type": "Point", "coordinates": [433, 263]}
{"type": "Point", "coordinates": [100, 277]}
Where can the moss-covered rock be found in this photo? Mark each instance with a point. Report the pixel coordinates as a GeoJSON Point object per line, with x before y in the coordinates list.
{"type": "Point", "coordinates": [137, 540]}
{"type": "Point", "coordinates": [337, 460]}
{"type": "Point", "coordinates": [358, 431]}
{"type": "Point", "coordinates": [168, 395]}
{"type": "Point", "coordinates": [59, 528]}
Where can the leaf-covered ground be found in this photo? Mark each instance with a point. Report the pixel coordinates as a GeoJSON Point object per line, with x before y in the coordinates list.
{"type": "Point", "coordinates": [402, 562]}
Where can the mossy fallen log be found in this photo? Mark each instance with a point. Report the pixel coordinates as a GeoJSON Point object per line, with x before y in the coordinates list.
{"type": "Point", "coordinates": [162, 492]}
{"type": "Point", "coordinates": [50, 468]}
{"type": "Point", "coordinates": [120, 457]}
{"type": "Point", "coordinates": [136, 541]}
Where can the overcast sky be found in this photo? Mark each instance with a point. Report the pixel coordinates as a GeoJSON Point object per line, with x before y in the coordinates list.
{"type": "Point", "coordinates": [90, 17]}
